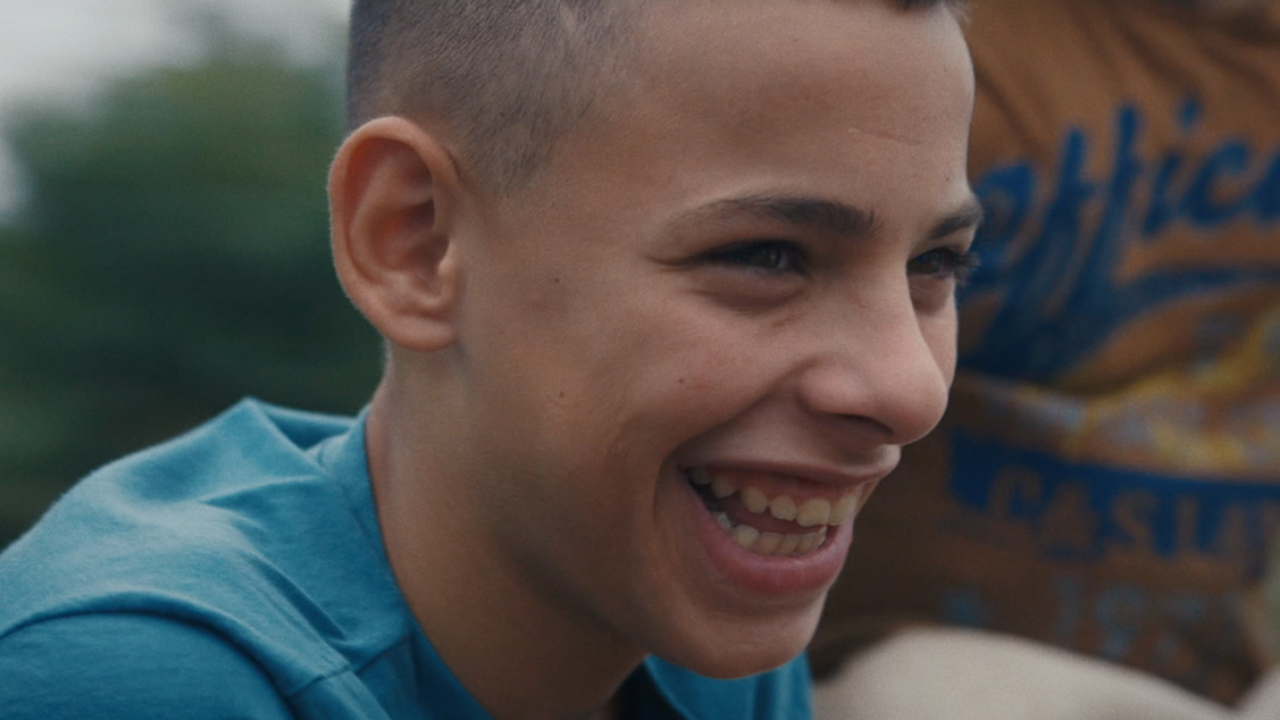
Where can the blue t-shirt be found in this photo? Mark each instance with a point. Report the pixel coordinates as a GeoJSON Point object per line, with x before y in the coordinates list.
{"type": "Point", "coordinates": [238, 572]}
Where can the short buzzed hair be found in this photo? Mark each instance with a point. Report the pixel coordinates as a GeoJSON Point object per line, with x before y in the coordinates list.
{"type": "Point", "coordinates": [507, 78]}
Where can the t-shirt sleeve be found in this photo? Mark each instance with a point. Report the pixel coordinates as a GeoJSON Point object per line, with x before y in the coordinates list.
{"type": "Point", "coordinates": [130, 666]}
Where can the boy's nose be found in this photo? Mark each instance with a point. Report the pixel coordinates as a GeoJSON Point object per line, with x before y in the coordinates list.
{"type": "Point", "coordinates": [883, 367]}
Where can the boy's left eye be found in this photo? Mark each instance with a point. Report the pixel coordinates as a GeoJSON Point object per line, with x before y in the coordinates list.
{"type": "Point", "coordinates": [944, 262]}
{"type": "Point", "coordinates": [771, 257]}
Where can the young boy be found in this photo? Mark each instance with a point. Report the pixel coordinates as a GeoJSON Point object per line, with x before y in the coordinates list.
{"type": "Point", "coordinates": [665, 287]}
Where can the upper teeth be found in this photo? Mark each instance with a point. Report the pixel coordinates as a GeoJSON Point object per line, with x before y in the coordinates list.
{"type": "Point", "coordinates": [768, 543]}
{"type": "Point", "coordinates": [809, 513]}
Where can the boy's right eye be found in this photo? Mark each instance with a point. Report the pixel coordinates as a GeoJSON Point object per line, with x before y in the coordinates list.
{"type": "Point", "coordinates": [766, 257]}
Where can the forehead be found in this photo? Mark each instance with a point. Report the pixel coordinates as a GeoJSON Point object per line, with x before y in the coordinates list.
{"type": "Point", "coordinates": [737, 59]}
{"type": "Point", "coordinates": [849, 99]}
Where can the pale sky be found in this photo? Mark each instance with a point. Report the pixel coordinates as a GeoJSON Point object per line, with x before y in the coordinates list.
{"type": "Point", "coordinates": [61, 51]}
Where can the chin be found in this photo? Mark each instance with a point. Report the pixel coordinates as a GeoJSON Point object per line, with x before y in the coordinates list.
{"type": "Point", "coordinates": [734, 665]}
{"type": "Point", "coordinates": [746, 648]}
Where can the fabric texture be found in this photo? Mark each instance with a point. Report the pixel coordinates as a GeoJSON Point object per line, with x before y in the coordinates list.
{"type": "Point", "coordinates": [1107, 478]}
{"type": "Point", "coordinates": [238, 572]}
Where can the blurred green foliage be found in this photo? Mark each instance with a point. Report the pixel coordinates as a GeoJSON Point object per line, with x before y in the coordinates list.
{"type": "Point", "coordinates": [171, 259]}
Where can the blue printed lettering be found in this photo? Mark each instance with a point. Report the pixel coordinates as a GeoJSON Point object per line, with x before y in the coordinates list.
{"type": "Point", "coordinates": [1190, 532]}
{"type": "Point", "coordinates": [1171, 656]}
{"type": "Point", "coordinates": [1161, 211]}
{"type": "Point", "coordinates": [1233, 536]}
{"type": "Point", "coordinates": [1015, 492]}
{"type": "Point", "coordinates": [1061, 295]}
{"type": "Point", "coordinates": [964, 607]}
{"type": "Point", "coordinates": [1120, 614]}
{"type": "Point", "coordinates": [1270, 514]}
{"type": "Point", "coordinates": [1008, 194]}
{"type": "Point", "coordinates": [1069, 525]}
{"type": "Point", "coordinates": [1127, 173]}
{"type": "Point", "coordinates": [1266, 198]}
{"type": "Point", "coordinates": [1086, 512]}
{"type": "Point", "coordinates": [1133, 516]}
{"type": "Point", "coordinates": [1070, 595]}
{"type": "Point", "coordinates": [1183, 635]}
{"type": "Point", "coordinates": [1203, 205]}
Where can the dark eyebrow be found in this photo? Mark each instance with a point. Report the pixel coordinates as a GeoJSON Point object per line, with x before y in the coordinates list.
{"type": "Point", "coordinates": [835, 218]}
{"type": "Point", "coordinates": [824, 216]}
{"type": "Point", "coordinates": [968, 216]}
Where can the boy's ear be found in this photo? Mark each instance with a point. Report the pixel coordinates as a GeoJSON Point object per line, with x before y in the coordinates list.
{"type": "Point", "coordinates": [393, 194]}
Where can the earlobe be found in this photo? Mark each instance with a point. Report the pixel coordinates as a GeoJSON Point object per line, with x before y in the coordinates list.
{"type": "Point", "coordinates": [393, 192]}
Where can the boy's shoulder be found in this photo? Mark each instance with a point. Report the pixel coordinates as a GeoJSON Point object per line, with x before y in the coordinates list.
{"type": "Point", "coordinates": [250, 497]}
{"type": "Point", "coordinates": [245, 545]}
{"type": "Point", "coordinates": [130, 665]}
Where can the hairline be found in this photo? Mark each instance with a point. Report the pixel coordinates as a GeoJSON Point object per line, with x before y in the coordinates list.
{"type": "Point", "coordinates": [534, 115]}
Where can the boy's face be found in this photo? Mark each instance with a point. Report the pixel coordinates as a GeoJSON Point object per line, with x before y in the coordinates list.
{"type": "Point", "coordinates": [737, 272]}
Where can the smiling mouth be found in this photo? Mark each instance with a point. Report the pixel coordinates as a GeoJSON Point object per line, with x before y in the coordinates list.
{"type": "Point", "coordinates": [767, 525]}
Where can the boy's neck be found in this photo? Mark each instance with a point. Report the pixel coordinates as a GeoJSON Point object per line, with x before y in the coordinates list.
{"type": "Point", "coordinates": [520, 655]}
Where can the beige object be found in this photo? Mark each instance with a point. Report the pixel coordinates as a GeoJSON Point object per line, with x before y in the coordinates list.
{"type": "Point", "coordinates": [949, 674]}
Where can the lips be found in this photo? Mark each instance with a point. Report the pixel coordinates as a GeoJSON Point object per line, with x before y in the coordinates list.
{"type": "Point", "coordinates": [765, 558]}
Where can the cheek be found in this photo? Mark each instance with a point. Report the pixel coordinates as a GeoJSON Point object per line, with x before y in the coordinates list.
{"type": "Point", "coordinates": [672, 392]}
{"type": "Point", "coordinates": [714, 367]}
{"type": "Point", "coordinates": [682, 392]}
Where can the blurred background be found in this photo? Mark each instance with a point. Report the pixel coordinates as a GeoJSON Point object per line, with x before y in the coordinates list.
{"type": "Point", "coordinates": [163, 228]}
